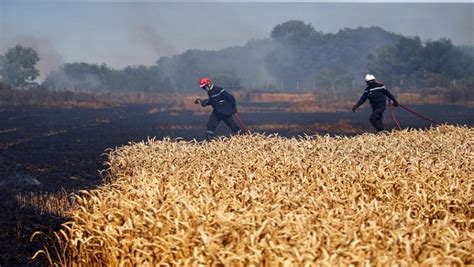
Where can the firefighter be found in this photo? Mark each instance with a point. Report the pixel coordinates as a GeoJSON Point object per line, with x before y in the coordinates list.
{"type": "Point", "coordinates": [376, 93]}
{"type": "Point", "coordinates": [223, 105]}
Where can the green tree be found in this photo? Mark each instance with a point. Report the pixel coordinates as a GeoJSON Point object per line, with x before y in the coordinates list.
{"type": "Point", "coordinates": [18, 66]}
{"type": "Point", "coordinates": [2, 63]}
{"type": "Point", "coordinates": [293, 56]}
{"type": "Point", "coordinates": [293, 31]}
{"type": "Point", "coordinates": [399, 64]}
{"type": "Point", "coordinates": [410, 63]}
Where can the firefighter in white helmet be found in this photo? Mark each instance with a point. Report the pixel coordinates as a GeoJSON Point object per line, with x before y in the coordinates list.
{"type": "Point", "coordinates": [376, 92]}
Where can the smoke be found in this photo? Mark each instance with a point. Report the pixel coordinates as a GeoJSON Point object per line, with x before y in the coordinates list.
{"type": "Point", "coordinates": [50, 59]}
{"type": "Point", "coordinates": [256, 69]}
{"type": "Point", "coordinates": [59, 80]}
{"type": "Point", "coordinates": [151, 38]}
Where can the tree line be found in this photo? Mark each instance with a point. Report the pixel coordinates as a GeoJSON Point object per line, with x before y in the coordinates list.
{"type": "Point", "coordinates": [295, 57]}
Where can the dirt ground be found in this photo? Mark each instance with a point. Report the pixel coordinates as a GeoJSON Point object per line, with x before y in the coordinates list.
{"type": "Point", "coordinates": [63, 150]}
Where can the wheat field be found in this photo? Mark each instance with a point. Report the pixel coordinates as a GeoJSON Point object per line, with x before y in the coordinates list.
{"type": "Point", "coordinates": [403, 198]}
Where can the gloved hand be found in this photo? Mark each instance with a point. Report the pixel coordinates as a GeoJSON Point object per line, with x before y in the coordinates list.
{"type": "Point", "coordinates": [197, 101]}
{"type": "Point", "coordinates": [204, 102]}
{"type": "Point", "coordinates": [395, 103]}
{"type": "Point", "coordinates": [354, 108]}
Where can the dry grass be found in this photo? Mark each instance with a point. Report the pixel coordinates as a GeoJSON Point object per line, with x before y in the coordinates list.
{"type": "Point", "coordinates": [341, 126]}
{"type": "Point", "coordinates": [419, 98]}
{"type": "Point", "coordinates": [59, 203]}
{"type": "Point", "coordinates": [283, 97]}
{"type": "Point", "coordinates": [298, 103]}
{"type": "Point", "coordinates": [402, 198]}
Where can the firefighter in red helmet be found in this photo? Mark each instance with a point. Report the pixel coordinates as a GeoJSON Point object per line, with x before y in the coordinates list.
{"type": "Point", "coordinates": [223, 105]}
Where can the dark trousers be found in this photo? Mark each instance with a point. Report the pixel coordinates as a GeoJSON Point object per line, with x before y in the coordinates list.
{"type": "Point", "coordinates": [214, 121]}
{"type": "Point", "coordinates": [376, 118]}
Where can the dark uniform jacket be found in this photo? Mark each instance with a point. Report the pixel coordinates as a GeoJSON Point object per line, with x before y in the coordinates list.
{"type": "Point", "coordinates": [221, 101]}
{"type": "Point", "coordinates": [376, 93]}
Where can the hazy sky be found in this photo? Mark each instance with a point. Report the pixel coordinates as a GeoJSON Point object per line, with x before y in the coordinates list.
{"type": "Point", "coordinates": [123, 33]}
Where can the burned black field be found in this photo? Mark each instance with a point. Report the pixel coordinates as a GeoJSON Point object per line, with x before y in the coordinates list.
{"type": "Point", "coordinates": [62, 149]}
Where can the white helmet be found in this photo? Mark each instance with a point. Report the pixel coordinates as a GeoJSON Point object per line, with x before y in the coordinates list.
{"type": "Point", "coordinates": [369, 77]}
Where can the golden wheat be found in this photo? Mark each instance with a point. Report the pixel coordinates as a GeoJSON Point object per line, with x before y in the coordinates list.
{"type": "Point", "coordinates": [403, 198]}
{"type": "Point", "coordinates": [58, 203]}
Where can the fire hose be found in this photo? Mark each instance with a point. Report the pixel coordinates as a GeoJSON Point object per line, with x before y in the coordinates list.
{"type": "Point", "coordinates": [239, 120]}
{"type": "Point", "coordinates": [394, 117]}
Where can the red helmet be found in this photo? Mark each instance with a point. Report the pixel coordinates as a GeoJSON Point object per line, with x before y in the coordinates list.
{"type": "Point", "coordinates": [205, 81]}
